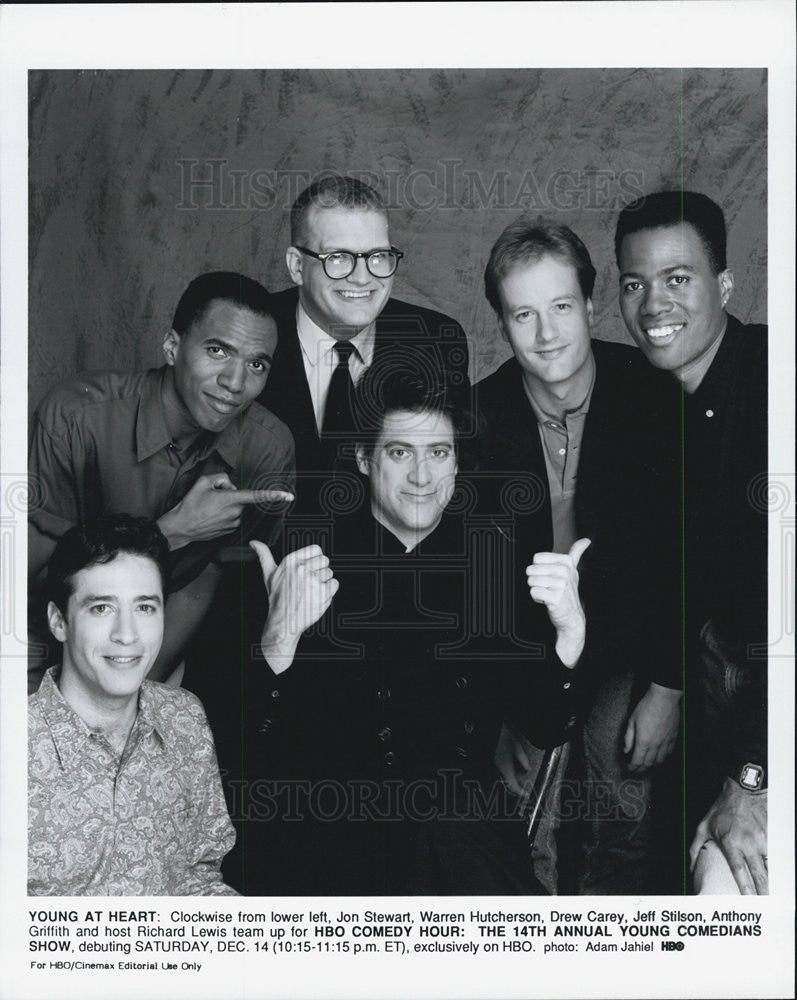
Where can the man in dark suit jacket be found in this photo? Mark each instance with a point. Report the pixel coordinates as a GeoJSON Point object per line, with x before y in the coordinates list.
{"type": "Point", "coordinates": [674, 289]}
{"type": "Point", "coordinates": [342, 263]}
{"type": "Point", "coordinates": [588, 423]}
{"type": "Point", "coordinates": [368, 741]}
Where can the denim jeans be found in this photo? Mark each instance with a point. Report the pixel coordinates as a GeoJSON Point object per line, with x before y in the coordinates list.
{"type": "Point", "coordinates": [618, 841]}
{"type": "Point", "coordinates": [710, 707]}
{"type": "Point", "coordinates": [512, 753]}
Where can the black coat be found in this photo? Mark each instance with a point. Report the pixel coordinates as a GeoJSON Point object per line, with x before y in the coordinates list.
{"type": "Point", "coordinates": [386, 724]}
{"type": "Point", "coordinates": [627, 501]}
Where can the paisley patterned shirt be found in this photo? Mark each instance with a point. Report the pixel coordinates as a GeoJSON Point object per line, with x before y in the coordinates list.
{"type": "Point", "coordinates": [151, 821]}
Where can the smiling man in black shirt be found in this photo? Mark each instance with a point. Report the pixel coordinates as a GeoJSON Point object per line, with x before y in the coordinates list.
{"type": "Point", "coordinates": [674, 288]}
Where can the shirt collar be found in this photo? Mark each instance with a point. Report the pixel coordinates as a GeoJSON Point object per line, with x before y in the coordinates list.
{"type": "Point", "coordinates": [148, 714]}
{"type": "Point", "coordinates": [693, 374]}
{"type": "Point", "coordinates": [317, 343]}
{"type": "Point", "coordinates": [445, 538]}
{"type": "Point", "coordinates": [152, 433]}
{"type": "Point", "coordinates": [69, 732]}
{"type": "Point", "coordinates": [717, 381]}
{"type": "Point", "coordinates": [228, 444]}
{"type": "Point", "coordinates": [580, 411]}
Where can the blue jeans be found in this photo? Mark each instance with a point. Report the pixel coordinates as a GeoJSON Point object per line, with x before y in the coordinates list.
{"type": "Point", "coordinates": [519, 778]}
{"type": "Point", "coordinates": [710, 720]}
{"type": "Point", "coordinates": [618, 842]}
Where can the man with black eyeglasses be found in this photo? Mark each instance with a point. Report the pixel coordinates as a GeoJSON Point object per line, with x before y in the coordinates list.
{"type": "Point", "coordinates": [339, 318]}
{"type": "Point", "coordinates": [333, 326]}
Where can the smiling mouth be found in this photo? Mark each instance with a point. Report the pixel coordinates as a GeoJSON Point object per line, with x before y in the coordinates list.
{"type": "Point", "coordinates": [222, 405]}
{"type": "Point", "coordinates": [551, 352]}
{"type": "Point", "coordinates": [123, 661]}
{"type": "Point", "coordinates": [662, 332]}
{"type": "Point", "coordinates": [348, 294]}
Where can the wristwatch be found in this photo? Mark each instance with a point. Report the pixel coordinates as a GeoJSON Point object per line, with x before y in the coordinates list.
{"type": "Point", "coordinates": [752, 777]}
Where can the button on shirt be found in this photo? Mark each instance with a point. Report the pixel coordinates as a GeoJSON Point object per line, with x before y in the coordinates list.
{"type": "Point", "coordinates": [561, 446]}
{"type": "Point", "coordinates": [320, 359]}
{"type": "Point", "coordinates": [150, 821]}
{"type": "Point", "coordinates": [725, 465]}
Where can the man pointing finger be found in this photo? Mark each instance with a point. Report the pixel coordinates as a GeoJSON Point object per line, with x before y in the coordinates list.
{"type": "Point", "coordinates": [213, 508]}
{"type": "Point", "coordinates": [185, 444]}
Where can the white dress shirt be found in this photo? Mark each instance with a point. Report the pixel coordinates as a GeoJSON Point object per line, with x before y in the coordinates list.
{"type": "Point", "coordinates": [320, 359]}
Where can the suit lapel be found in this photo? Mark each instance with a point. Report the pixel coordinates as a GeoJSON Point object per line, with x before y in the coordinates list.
{"type": "Point", "coordinates": [520, 425]}
{"type": "Point", "coordinates": [520, 443]}
{"type": "Point", "coordinates": [287, 393]}
{"type": "Point", "coordinates": [607, 446]}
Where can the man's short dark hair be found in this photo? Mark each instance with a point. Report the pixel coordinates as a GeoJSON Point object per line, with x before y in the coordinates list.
{"type": "Point", "coordinates": [100, 542]}
{"type": "Point", "coordinates": [226, 286]}
{"type": "Point", "coordinates": [527, 241]}
{"type": "Point", "coordinates": [332, 191]}
{"type": "Point", "coordinates": [672, 208]}
{"type": "Point", "coordinates": [405, 383]}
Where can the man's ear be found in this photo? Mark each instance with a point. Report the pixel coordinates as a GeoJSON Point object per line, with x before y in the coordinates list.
{"type": "Point", "coordinates": [171, 345]}
{"type": "Point", "coordinates": [502, 328]}
{"type": "Point", "coordinates": [725, 279]}
{"type": "Point", "coordinates": [590, 312]}
{"type": "Point", "coordinates": [362, 459]}
{"type": "Point", "coordinates": [293, 258]}
{"type": "Point", "coordinates": [56, 622]}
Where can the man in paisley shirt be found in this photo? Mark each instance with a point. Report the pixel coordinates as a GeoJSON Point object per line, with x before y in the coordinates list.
{"type": "Point", "coordinates": [124, 793]}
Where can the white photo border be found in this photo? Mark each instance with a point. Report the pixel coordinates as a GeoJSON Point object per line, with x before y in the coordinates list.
{"type": "Point", "coordinates": [721, 33]}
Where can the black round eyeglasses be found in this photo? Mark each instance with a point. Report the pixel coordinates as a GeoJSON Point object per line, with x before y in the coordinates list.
{"type": "Point", "coordinates": [341, 263]}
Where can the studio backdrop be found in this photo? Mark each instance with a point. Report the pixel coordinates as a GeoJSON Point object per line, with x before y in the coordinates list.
{"type": "Point", "coordinates": [141, 180]}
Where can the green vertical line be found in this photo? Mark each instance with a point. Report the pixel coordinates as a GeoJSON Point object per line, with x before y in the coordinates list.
{"type": "Point", "coordinates": [245, 666]}
{"type": "Point", "coordinates": [242, 662]}
{"type": "Point", "coordinates": [685, 867]}
{"type": "Point", "coordinates": [684, 831]}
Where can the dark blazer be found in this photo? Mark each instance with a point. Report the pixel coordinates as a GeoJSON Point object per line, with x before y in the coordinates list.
{"type": "Point", "coordinates": [627, 501]}
{"type": "Point", "coordinates": [387, 722]}
{"type": "Point", "coordinates": [400, 327]}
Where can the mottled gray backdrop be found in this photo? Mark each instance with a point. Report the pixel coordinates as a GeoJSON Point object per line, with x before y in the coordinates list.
{"type": "Point", "coordinates": [140, 180]}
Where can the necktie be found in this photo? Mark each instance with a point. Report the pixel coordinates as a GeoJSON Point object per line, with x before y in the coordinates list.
{"type": "Point", "coordinates": [338, 418]}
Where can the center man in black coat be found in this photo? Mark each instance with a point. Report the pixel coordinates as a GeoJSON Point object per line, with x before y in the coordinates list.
{"type": "Point", "coordinates": [369, 732]}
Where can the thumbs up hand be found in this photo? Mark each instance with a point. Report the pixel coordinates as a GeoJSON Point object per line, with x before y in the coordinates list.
{"type": "Point", "coordinates": [267, 563]}
{"type": "Point", "coordinates": [300, 589]}
{"type": "Point", "coordinates": [553, 581]}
